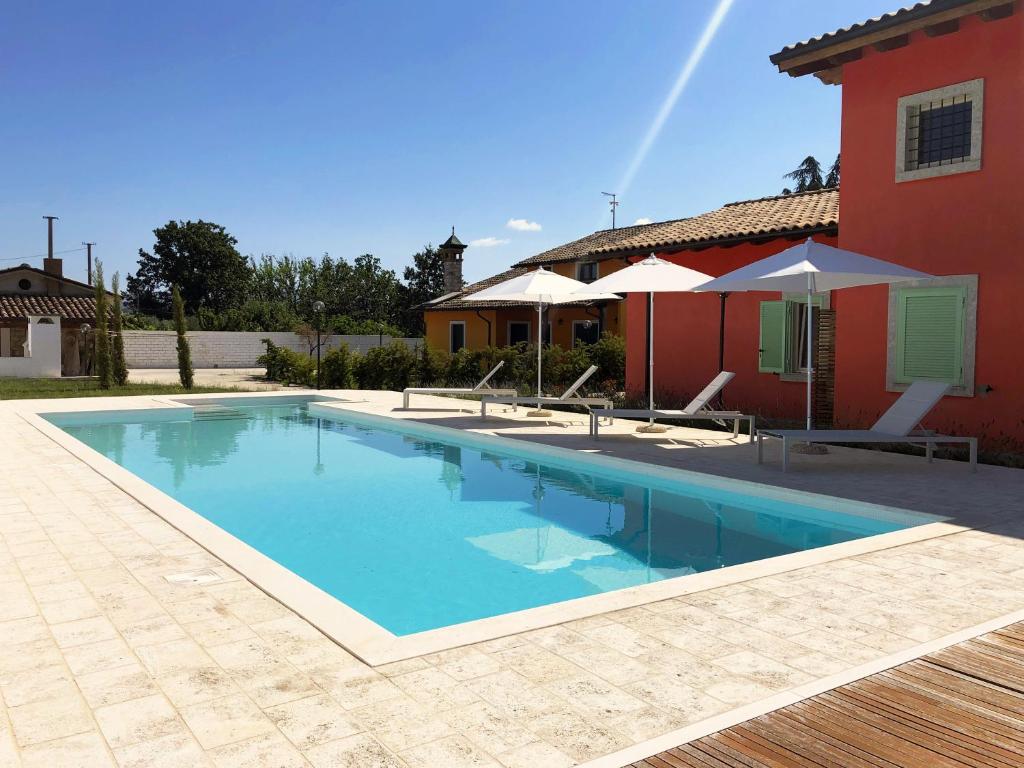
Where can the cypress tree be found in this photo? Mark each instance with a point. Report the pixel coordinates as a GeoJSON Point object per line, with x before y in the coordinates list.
{"type": "Point", "coordinates": [104, 363]}
{"type": "Point", "coordinates": [184, 352]}
{"type": "Point", "coordinates": [120, 363]}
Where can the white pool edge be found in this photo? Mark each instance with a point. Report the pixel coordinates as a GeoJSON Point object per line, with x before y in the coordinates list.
{"type": "Point", "coordinates": [375, 645]}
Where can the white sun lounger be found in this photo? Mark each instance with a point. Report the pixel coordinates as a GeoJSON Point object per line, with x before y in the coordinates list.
{"type": "Point", "coordinates": [566, 398]}
{"type": "Point", "coordinates": [696, 409]}
{"type": "Point", "coordinates": [479, 389]}
{"type": "Point", "coordinates": [899, 424]}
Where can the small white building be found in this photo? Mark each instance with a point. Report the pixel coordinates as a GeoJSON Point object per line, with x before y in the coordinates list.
{"type": "Point", "coordinates": [42, 315]}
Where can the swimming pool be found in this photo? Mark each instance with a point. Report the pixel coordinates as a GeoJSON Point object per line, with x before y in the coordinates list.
{"type": "Point", "coordinates": [420, 528]}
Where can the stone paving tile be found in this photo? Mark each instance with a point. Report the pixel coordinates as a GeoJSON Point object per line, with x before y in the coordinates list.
{"type": "Point", "coordinates": [84, 750]}
{"type": "Point", "coordinates": [313, 720]}
{"type": "Point", "coordinates": [48, 719]}
{"type": "Point", "coordinates": [224, 675]}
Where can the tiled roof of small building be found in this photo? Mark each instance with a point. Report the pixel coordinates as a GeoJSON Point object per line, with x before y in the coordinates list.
{"type": "Point", "coordinates": [747, 220]}
{"type": "Point", "coordinates": [801, 212]}
{"type": "Point", "coordinates": [456, 302]}
{"type": "Point", "coordinates": [80, 308]}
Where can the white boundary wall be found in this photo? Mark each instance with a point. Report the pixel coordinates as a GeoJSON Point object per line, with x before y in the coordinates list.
{"type": "Point", "coordinates": [231, 349]}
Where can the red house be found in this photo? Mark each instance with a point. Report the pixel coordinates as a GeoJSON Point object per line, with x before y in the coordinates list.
{"type": "Point", "coordinates": [933, 162]}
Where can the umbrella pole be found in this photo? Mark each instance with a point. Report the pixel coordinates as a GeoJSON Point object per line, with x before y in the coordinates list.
{"type": "Point", "coordinates": [539, 412]}
{"type": "Point", "coordinates": [810, 344]}
{"type": "Point", "coordinates": [650, 426]}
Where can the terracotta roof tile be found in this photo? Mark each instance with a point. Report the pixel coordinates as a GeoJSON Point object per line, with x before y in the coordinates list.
{"type": "Point", "coordinates": [456, 302]}
{"type": "Point", "coordinates": [893, 18]}
{"type": "Point", "coordinates": [68, 307]}
{"type": "Point", "coordinates": [749, 219]}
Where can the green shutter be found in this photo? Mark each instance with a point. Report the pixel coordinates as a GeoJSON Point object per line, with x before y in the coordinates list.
{"type": "Point", "coordinates": [930, 334]}
{"type": "Point", "coordinates": [772, 352]}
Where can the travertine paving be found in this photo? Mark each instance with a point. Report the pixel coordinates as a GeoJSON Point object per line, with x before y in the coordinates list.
{"type": "Point", "coordinates": [106, 662]}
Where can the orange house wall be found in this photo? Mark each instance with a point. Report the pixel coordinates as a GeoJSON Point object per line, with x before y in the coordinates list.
{"type": "Point", "coordinates": [967, 223]}
{"type": "Point", "coordinates": [686, 336]}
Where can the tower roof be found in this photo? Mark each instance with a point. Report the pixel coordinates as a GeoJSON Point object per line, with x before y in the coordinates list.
{"type": "Point", "coordinates": [453, 241]}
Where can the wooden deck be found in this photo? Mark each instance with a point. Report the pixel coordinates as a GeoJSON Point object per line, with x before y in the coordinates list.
{"type": "Point", "coordinates": [961, 706]}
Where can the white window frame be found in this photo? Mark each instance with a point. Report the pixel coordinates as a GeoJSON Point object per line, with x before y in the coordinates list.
{"type": "Point", "coordinates": [597, 269]}
{"type": "Point", "coordinates": [794, 370]}
{"type": "Point", "coordinates": [508, 330]}
{"type": "Point", "coordinates": [969, 344]}
{"type": "Point", "coordinates": [451, 340]}
{"type": "Point", "coordinates": [973, 90]}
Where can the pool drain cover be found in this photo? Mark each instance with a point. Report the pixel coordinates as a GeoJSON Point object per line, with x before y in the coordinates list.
{"type": "Point", "coordinates": [194, 577]}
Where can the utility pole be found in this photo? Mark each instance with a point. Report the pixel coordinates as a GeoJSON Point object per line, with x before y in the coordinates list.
{"type": "Point", "coordinates": [49, 233]}
{"type": "Point", "coordinates": [613, 204]}
{"type": "Point", "coordinates": [88, 260]}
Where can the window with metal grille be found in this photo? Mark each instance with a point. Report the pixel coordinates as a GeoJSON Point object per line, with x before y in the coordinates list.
{"type": "Point", "coordinates": [939, 132]}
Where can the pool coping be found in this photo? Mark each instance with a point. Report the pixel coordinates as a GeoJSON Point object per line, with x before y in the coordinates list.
{"type": "Point", "coordinates": [374, 644]}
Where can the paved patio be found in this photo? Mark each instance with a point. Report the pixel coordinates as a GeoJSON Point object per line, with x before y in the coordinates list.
{"type": "Point", "coordinates": [237, 378]}
{"type": "Point", "coordinates": [106, 662]}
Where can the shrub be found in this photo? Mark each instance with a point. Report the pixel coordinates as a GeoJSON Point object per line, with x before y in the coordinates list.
{"type": "Point", "coordinates": [609, 355]}
{"type": "Point", "coordinates": [337, 369]}
{"type": "Point", "coordinates": [287, 366]}
{"type": "Point", "coordinates": [120, 363]}
{"type": "Point", "coordinates": [389, 367]}
{"type": "Point", "coordinates": [432, 367]}
{"type": "Point", "coordinates": [185, 373]}
{"type": "Point", "coordinates": [465, 368]}
{"type": "Point", "coordinates": [104, 359]}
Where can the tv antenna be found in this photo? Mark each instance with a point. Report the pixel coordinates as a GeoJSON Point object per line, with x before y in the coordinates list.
{"type": "Point", "coordinates": [613, 204]}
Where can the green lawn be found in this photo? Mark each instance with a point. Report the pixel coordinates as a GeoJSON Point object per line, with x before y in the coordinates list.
{"type": "Point", "coordinates": [26, 389]}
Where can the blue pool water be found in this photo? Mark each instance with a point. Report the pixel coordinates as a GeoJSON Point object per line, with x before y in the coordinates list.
{"type": "Point", "coordinates": [418, 533]}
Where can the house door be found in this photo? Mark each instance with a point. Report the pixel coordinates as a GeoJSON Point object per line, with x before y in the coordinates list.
{"type": "Point", "coordinates": [70, 359]}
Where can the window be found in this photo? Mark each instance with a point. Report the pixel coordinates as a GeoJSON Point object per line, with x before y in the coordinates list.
{"type": "Point", "coordinates": [783, 337]}
{"type": "Point", "coordinates": [456, 335]}
{"type": "Point", "coordinates": [586, 272]}
{"type": "Point", "coordinates": [585, 332]}
{"type": "Point", "coordinates": [24, 284]}
{"type": "Point", "coordinates": [939, 131]}
{"type": "Point", "coordinates": [932, 333]}
{"type": "Point", "coordinates": [547, 333]}
{"type": "Point", "coordinates": [518, 332]}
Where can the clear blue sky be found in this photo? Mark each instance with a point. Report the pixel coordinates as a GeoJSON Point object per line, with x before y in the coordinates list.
{"type": "Point", "coordinates": [375, 126]}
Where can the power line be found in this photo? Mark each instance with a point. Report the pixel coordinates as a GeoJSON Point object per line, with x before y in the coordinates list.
{"type": "Point", "coordinates": [41, 255]}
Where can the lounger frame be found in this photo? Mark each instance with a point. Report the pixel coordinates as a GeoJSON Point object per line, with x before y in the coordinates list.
{"type": "Point", "coordinates": [480, 389]}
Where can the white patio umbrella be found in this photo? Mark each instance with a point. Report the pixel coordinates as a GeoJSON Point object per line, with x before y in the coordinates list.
{"type": "Point", "coordinates": [543, 287]}
{"type": "Point", "coordinates": [650, 276]}
{"type": "Point", "coordinates": [811, 267]}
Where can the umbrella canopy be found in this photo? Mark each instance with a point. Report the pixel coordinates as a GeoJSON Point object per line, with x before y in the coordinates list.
{"type": "Point", "coordinates": [813, 264]}
{"type": "Point", "coordinates": [652, 275]}
{"type": "Point", "coordinates": [811, 267]}
{"type": "Point", "coordinates": [542, 287]}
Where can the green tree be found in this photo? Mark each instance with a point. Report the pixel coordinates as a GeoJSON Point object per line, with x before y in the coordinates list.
{"type": "Point", "coordinates": [120, 364]}
{"type": "Point", "coordinates": [104, 363]}
{"type": "Point", "coordinates": [185, 373]}
{"type": "Point", "coordinates": [832, 180]}
{"type": "Point", "coordinates": [424, 280]}
{"type": "Point", "coordinates": [807, 176]}
{"type": "Point", "coordinates": [199, 257]}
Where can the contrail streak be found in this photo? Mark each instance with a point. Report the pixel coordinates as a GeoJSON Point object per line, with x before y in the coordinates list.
{"type": "Point", "coordinates": [673, 95]}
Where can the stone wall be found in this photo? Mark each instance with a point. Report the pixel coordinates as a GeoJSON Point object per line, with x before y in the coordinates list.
{"type": "Point", "coordinates": [229, 349]}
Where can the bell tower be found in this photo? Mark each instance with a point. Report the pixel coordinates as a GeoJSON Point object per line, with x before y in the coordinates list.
{"type": "Point", "coordinates": [451, 256]}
